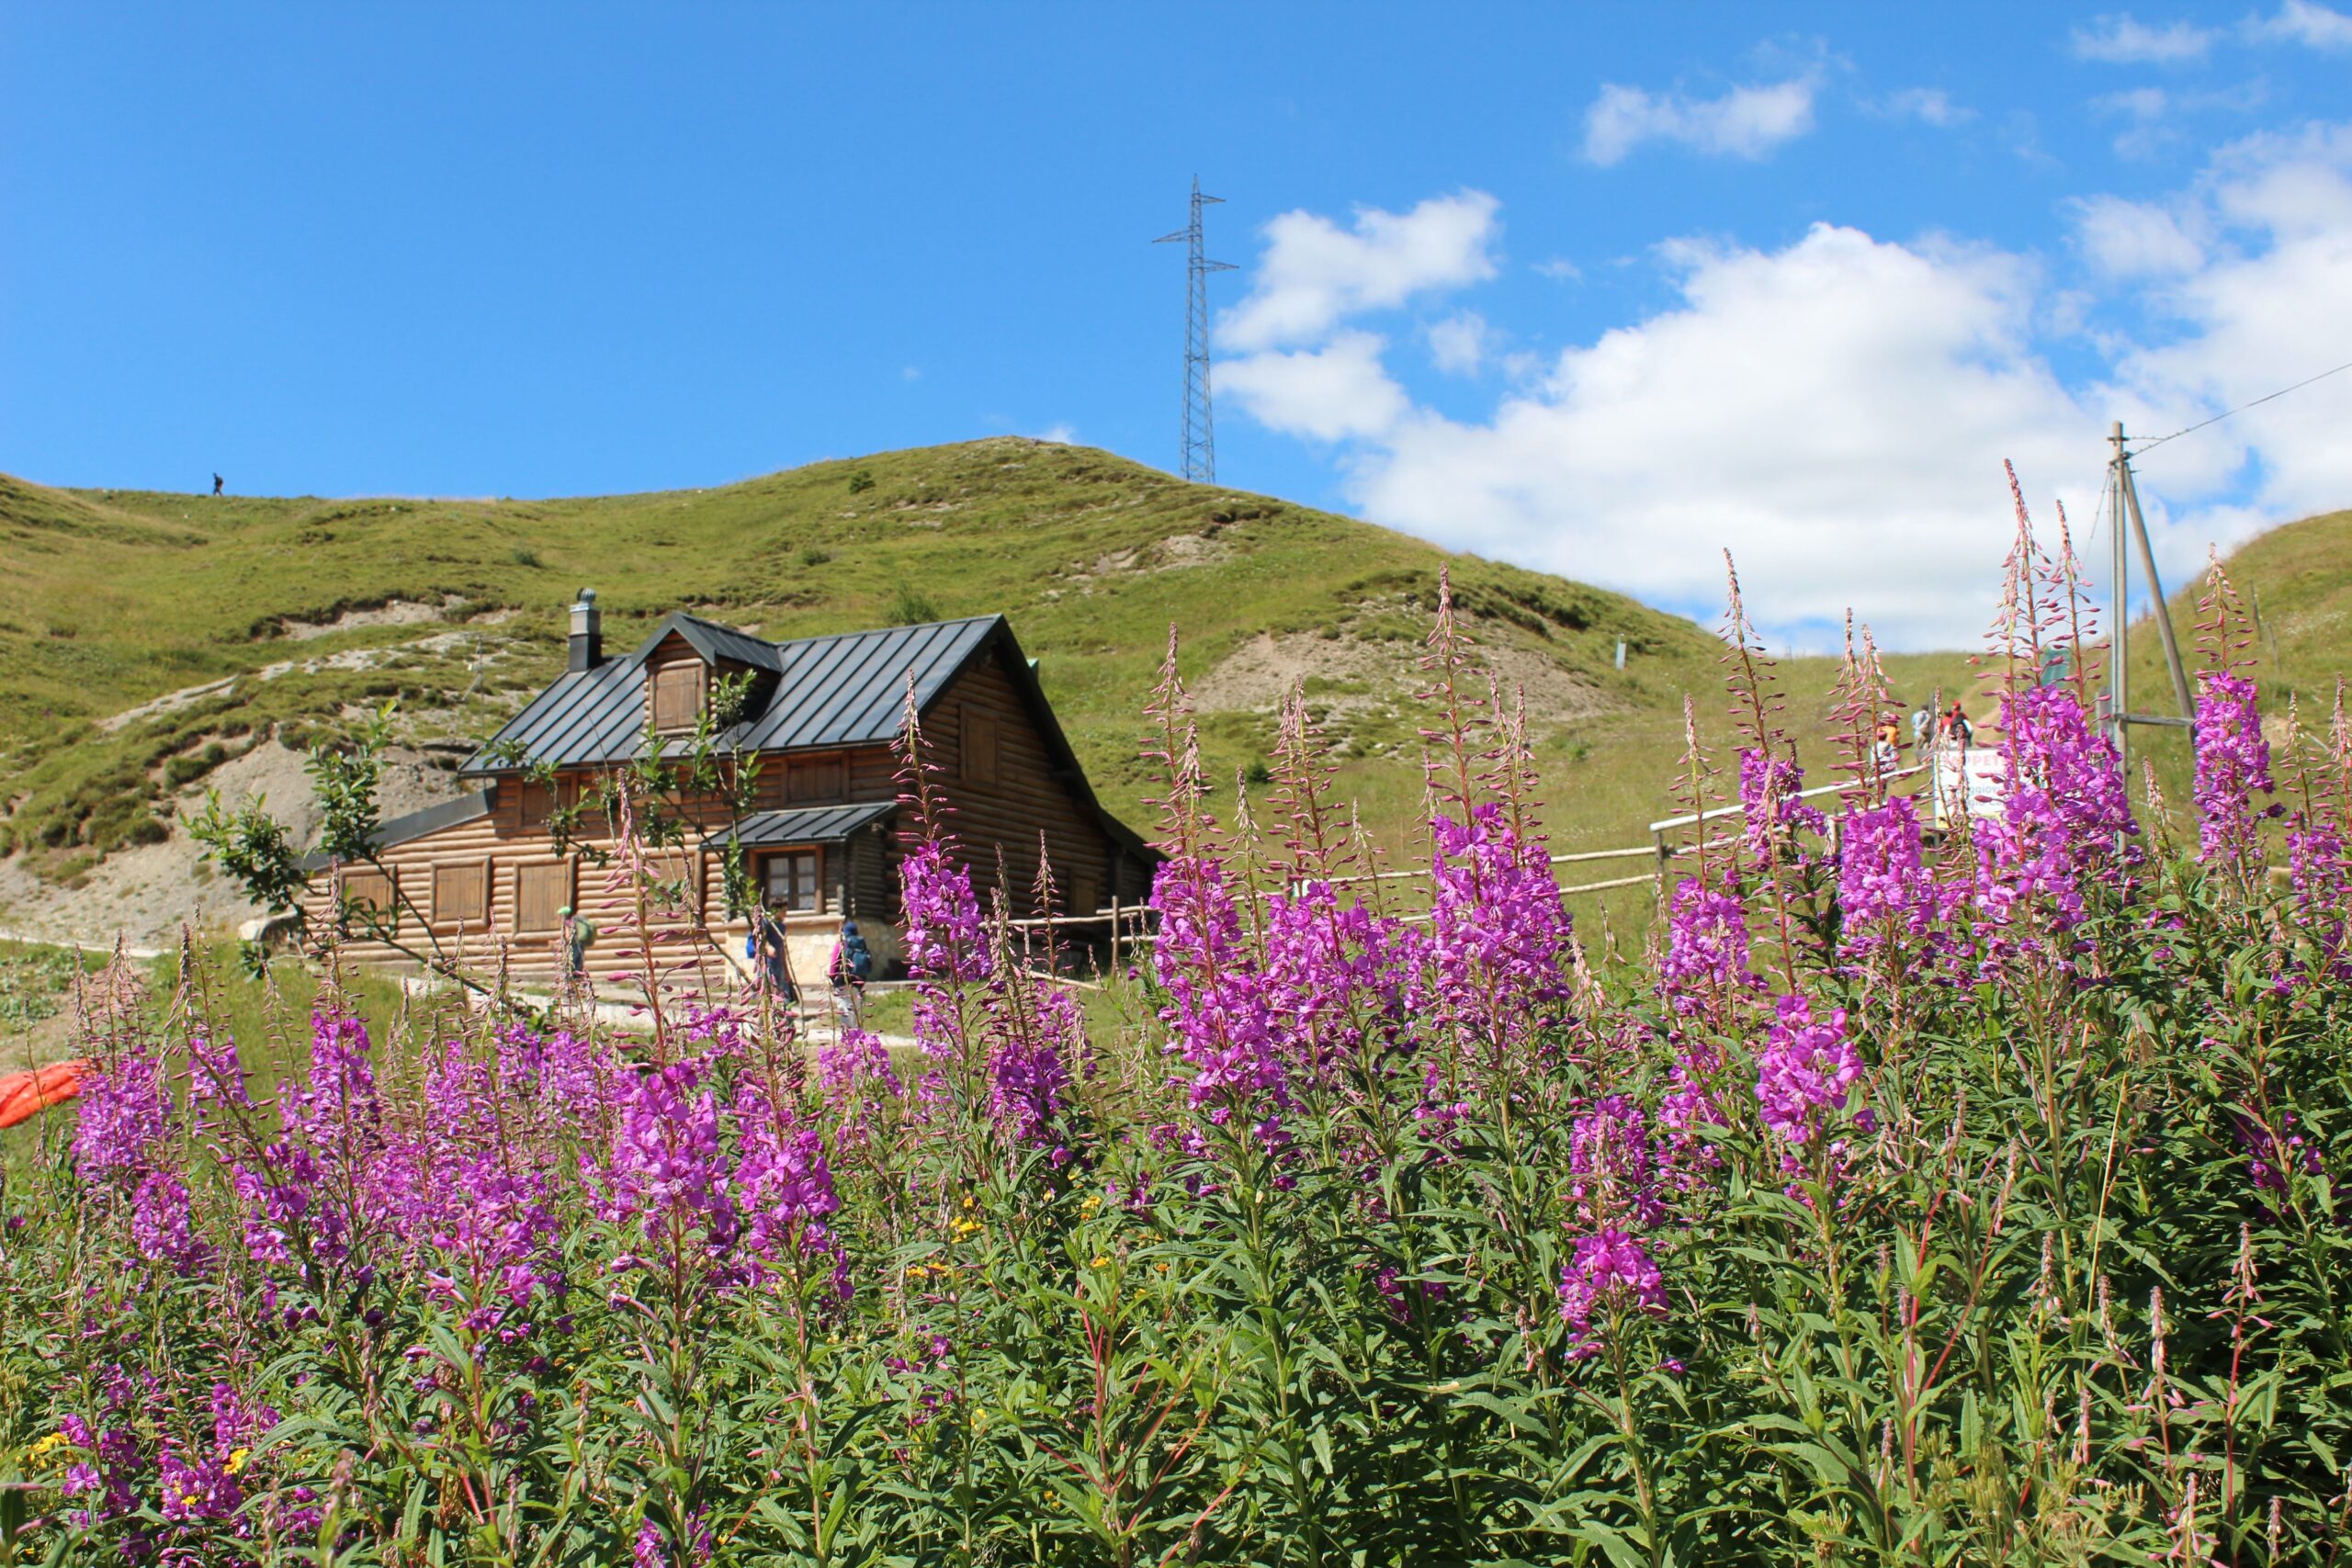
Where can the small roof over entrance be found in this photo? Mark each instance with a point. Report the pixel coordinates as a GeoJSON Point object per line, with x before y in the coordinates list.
{"type": "Point", "coordinates": [806, 824]}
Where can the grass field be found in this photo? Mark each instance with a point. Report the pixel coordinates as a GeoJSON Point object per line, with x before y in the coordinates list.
{"type": "Point", "coordinates": [298, 614]}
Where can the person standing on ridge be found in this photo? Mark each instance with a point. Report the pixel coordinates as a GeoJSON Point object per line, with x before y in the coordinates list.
{"type": "Point", "coordinates": [216, 484]}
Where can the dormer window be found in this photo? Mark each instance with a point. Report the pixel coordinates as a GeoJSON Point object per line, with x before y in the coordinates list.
{"type": "Point", "coordinates": [678, 694]}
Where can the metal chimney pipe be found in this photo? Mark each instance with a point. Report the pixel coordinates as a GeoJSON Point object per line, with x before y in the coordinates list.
{"type": "Point", "coordinates": [587, 633]}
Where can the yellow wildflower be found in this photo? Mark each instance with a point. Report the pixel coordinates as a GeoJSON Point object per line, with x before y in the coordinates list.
{"type": "Point", "coordinates": [237, 1459]}
{"type": "Point", "coordinates": [1101, 1260]}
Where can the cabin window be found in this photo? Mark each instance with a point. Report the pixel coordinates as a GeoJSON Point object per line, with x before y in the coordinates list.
{"type": "Point", "coordinates": [979, 764]}
{"type": "Point", "coordinates": [540, 892]}
{"type": "Point", "coordinates": [677, 694]}
{"type": "Point", "coordinates": [788, 880]}
{"type": "Point", "coordinates": [364, 887]}
{"type": "Point", "coordinates": [461, 893]}
{"type": "Point", "coordinates": [1085, 894]}
{"type": "Point", "coordinates": [818, 778]}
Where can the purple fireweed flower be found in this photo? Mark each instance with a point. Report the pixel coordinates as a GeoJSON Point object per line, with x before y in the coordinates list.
{"type": "Point", "coordinates": [1341, 980]}
{"type": "Point", "coordinates": [162, 1226]}
{"type": "Point", "coordinates": [1219, 1013]}
{"type": "Point", "coordinates": [1706, 949]}
{"type": "Point", "coordinates": [1612, 1167]}
{"type": "Point", "coordinates": [216, 1073]}
{"type": "Point", "coordinates": [125, 1116]}
{"type": "Point", "coordinates": [947, 946]}
{"type": "Point", "coordinates": [1497, 935]}
{"type": "Point", "coordinates": [855, 1058]}
{"type": "Point", "coordinates": [2233, 764]}
{"type": "Point", "coordinates": [1688, 1105]}
{"type": "Point", "coordinates": [1029, 1072]}
{"type": "Point", "coordinates": [2271, 1155]}
{"type": "Point", "coordinates": [667, 1169]}
{"type": "Point", "coordinates": [1806, 1069]}
{"type": "Point", "coordinates": [785, 1186]}
{"type": "Point", "coordinates": [2063, 811]}
{"type": "Point", "coordinates": [2321, 873]}
{"type": "Point", "coordinates": [2059, 777]}
{"type": "Point", "coordinates": [195, 1488]}
{"type": "Point", "coordinates": [1771, 812]}
{"type": "Point", "coordinates": [1884, 889]}
{"type": "Point", "coordinates": [336, 1106]}
{"type": "Point", "coordinates": [1610, 1268]}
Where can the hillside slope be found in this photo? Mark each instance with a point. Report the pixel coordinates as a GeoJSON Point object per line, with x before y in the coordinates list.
{"type": "Point", "coordinates": [160, 641]}
{"type": "Point", "coordinates": [156, 644]}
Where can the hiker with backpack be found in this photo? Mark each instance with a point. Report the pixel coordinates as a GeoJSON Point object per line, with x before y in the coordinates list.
{"type": "Point", "coordinates": [764, 944]}
{"type": "Point", "coordinates": [850, 967]}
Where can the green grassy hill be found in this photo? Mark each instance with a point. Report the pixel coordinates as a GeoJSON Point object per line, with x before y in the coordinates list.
{"type": "Point", "coordinates": [150, 639]}
{"type": "Point", "coordinates": [241, 614]}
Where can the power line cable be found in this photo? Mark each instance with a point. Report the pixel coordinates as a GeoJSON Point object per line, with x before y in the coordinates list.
{"type": "Point", "coordinates": [2151, 445]}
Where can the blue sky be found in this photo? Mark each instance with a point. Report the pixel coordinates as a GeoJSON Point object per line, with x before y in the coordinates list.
{"type": "Point", "coordinates": [1600, 288]}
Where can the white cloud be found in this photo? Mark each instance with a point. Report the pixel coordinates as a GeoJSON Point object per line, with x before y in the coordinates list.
{"type": "Point", "coordinates": [2303, 22]}
{"type": "Point", "coordinates": [1458, 344]}
{"type": "Point", "coordinates": [1930, 105]}
{"type": "Point", "coordinates": [2134, 239]}
{"type": "Point", "coordinates": [2119, 40]}
{"type": "Point", "coordinates": [1559, 269]}
{"type": "Point", "coordinates": [1059, 435]}
{"type": "Point", "coordinates": [1314, 272]}
{"type": "Point", "coordinates": [1339, 392]}
{"type": "Point", "coordinates": [1835, 412]}
{"type": "Point", "coordinates": [1836, 409]}
{"type": "Point", "coordinates": [1745, 122]}
{"type": "Point", "coordinates": [2144, 108]}
{"type": "Point", "coordinates": [2272, 305]}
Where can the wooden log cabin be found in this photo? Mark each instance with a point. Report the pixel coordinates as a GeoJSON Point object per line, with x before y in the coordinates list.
{"type": "Point", "coordinates": [485, 872]}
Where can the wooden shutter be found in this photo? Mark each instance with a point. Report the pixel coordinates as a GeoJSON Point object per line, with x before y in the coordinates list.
{"type": "Point", "coordinates": [461, 892]}
{"type": "Point", "coordinates": [539, 891]}
{"type": "Point", "coordinates": [979, 746]}
{"type": "Point", "coordinates": [677, 694]}
{"type": "Point", "coordinates": [368, 888]}
{"type": "Point", "coordinates": [818, 778]}
{"type": "Point", "coordinates": [1085, 894]}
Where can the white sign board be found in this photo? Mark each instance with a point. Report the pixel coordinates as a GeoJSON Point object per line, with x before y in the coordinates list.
{"type": "Point", "coordinates": [1970, 783]}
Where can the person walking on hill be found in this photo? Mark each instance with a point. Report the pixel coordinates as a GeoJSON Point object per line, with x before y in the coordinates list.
{"type": "Point", "coordinates": [1923, 720]}
{"type": "Point", "coordinates": [850, 966]}
{"type": "Point", "coordinates": [216, 484]}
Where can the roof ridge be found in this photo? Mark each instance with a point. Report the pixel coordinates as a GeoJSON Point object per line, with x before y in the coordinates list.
{"type": "Point", "coordinates": [884, 631]}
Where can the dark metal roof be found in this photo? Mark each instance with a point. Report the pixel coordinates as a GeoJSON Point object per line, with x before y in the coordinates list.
{"type": "Point", "coordinates": [807, 824]}
{"type": "Point", "coordinates": [416, 824]}
{"type": "Point", "coordinates": [847, 690]}
{"type": "Point", "coordinates": [713, 641]}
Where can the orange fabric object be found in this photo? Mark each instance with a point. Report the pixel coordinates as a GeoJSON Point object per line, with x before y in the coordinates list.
{"type": "Point", "coordinates": [26, 1094]}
